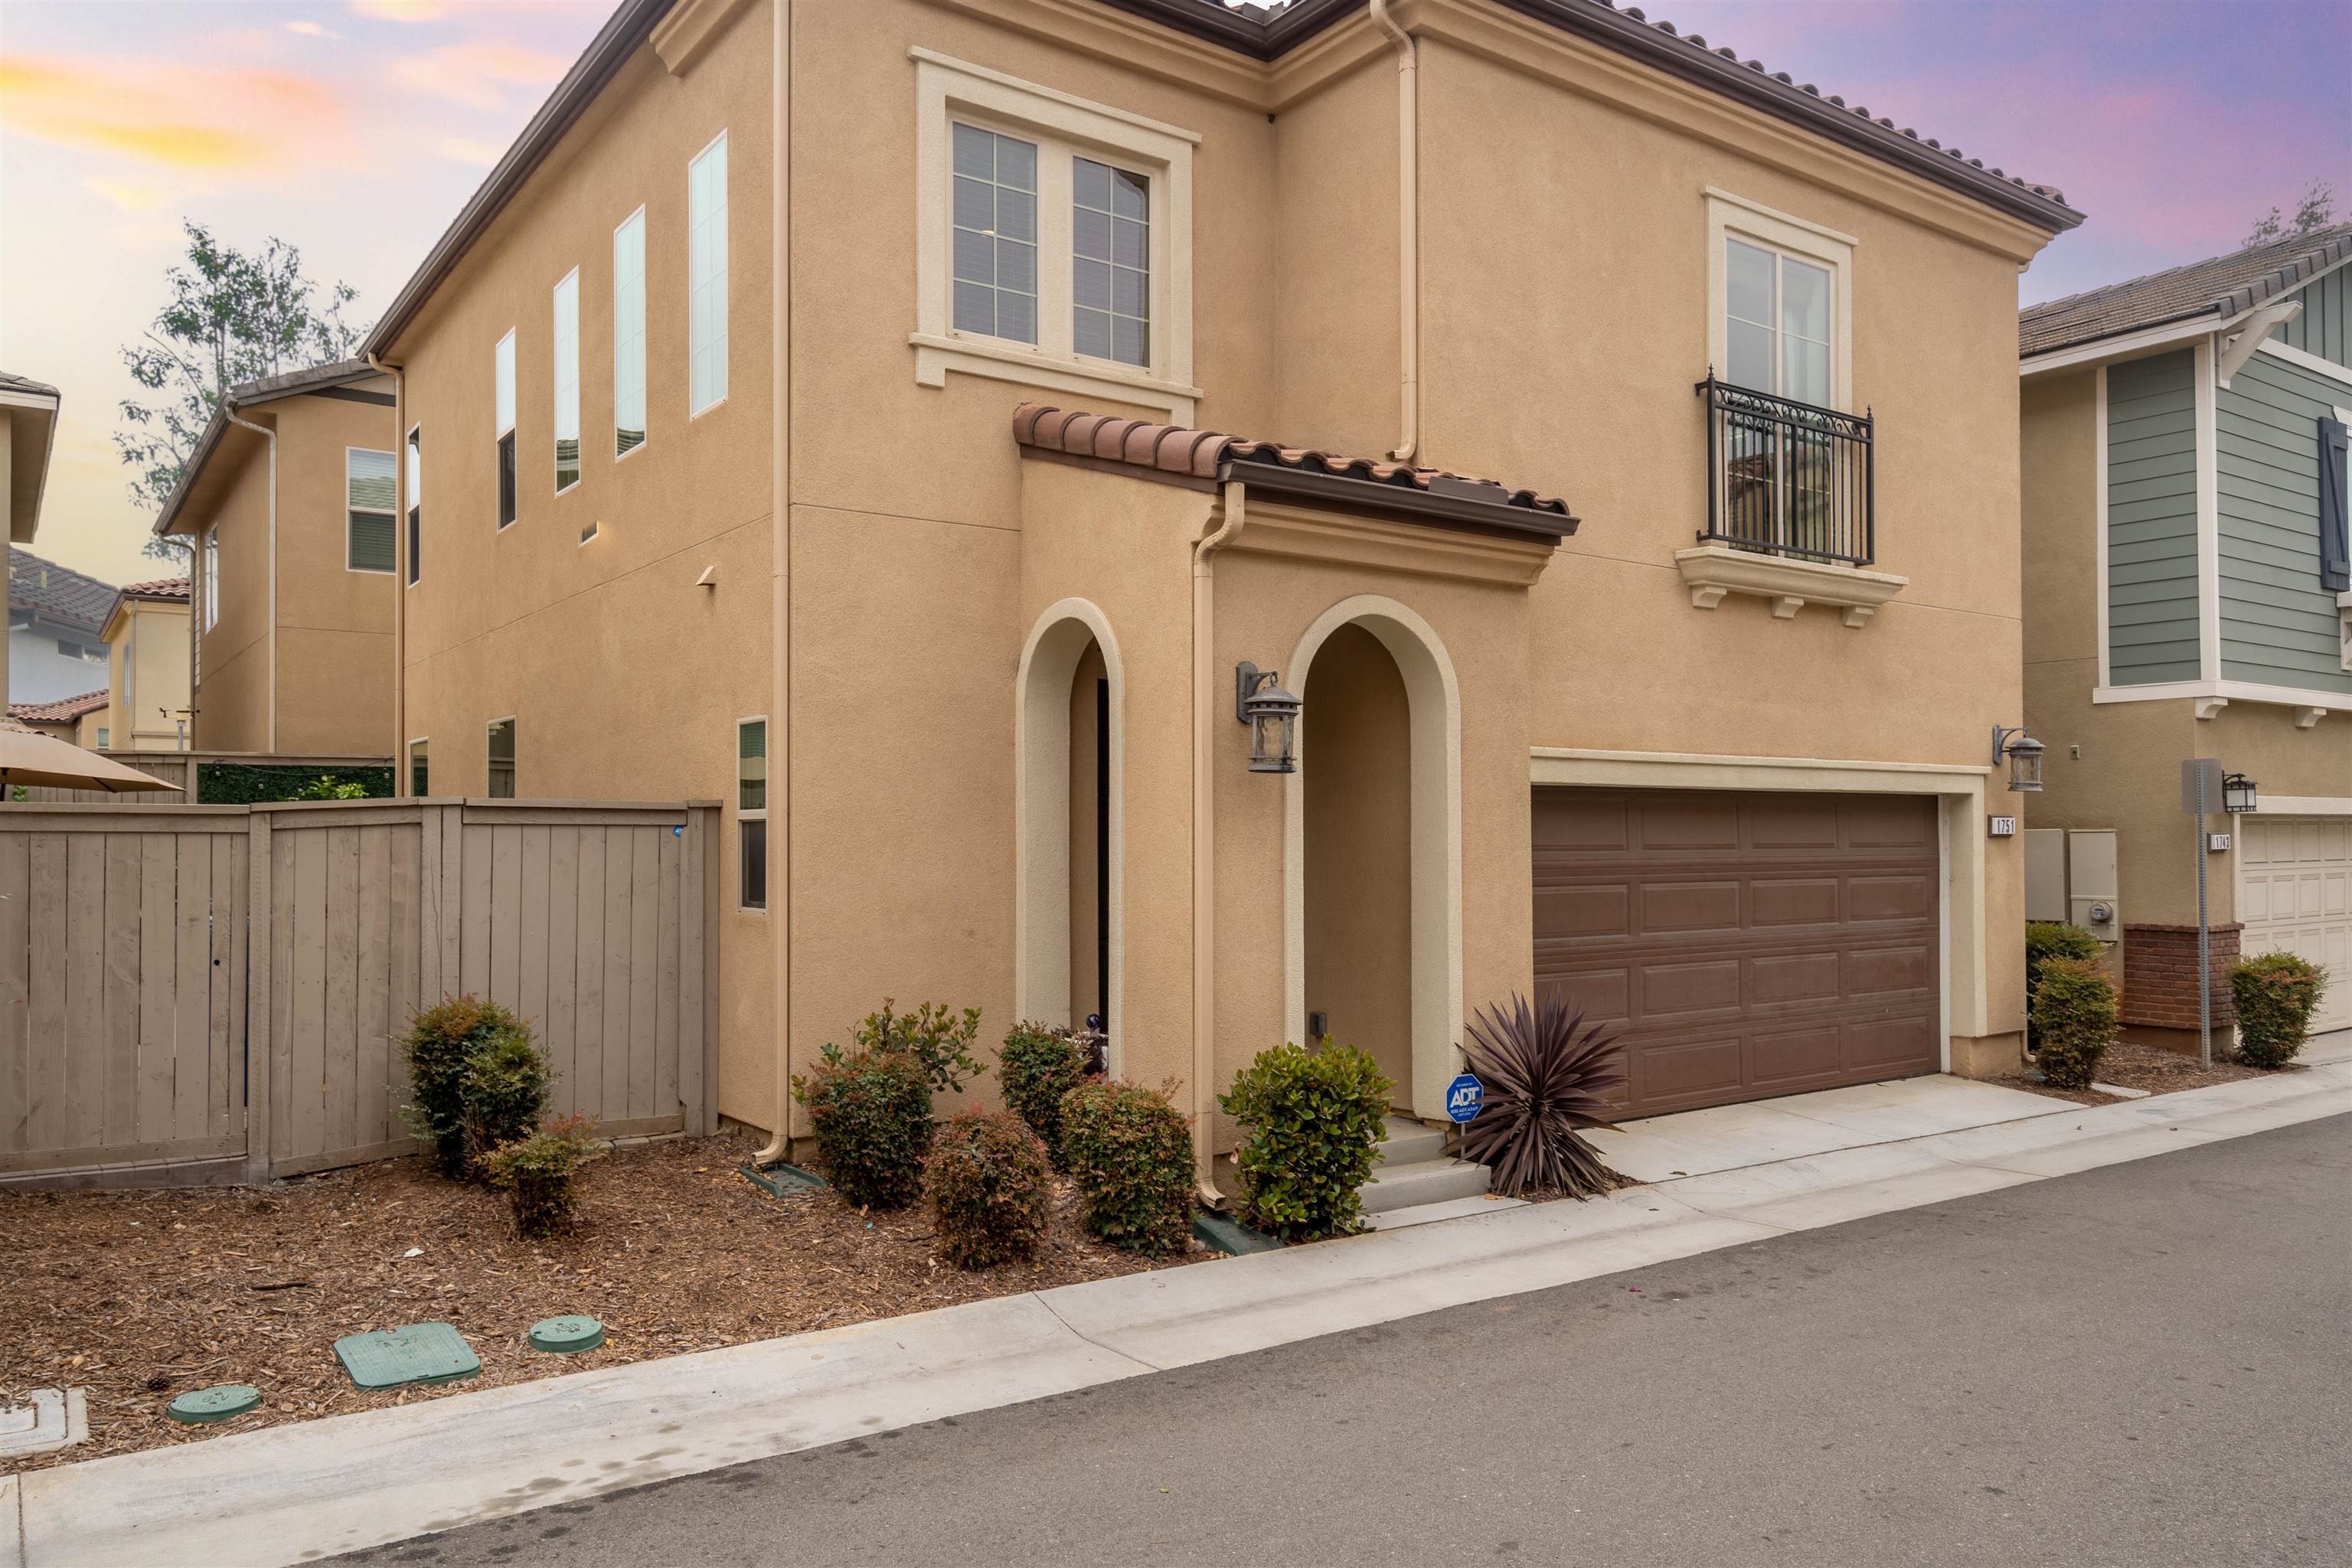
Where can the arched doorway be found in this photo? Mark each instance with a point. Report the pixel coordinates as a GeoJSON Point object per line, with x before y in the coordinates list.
{"type": "Point", "coordinates": [1067, 946]}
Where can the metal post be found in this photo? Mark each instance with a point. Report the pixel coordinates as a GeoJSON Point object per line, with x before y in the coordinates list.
{"type": "Point", "coordinates": [2204, 944]}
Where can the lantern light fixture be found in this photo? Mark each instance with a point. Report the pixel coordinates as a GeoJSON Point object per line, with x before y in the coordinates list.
{"type": "Point", "coordinates": [2240, 795]}
{"type": "Point", "coordinates": [1272, 715]}
{"type": "Point", "coordinates": [2024, 755]}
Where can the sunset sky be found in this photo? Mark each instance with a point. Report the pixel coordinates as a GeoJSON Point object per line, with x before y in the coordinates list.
{"type": "Point", "coordinates": [355, 130]}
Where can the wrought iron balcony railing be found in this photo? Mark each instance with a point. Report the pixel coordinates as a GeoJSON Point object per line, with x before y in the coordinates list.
{"type": "Point", "coordinates": [1786, 477]}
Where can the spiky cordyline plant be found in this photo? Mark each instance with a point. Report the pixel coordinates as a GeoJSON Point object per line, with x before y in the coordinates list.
{"type": "Point", "coordinates": [1546, 1073]}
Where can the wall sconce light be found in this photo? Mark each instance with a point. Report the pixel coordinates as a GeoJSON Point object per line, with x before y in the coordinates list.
{"type": "Point", "coordinates": [2024, 755]}
{"type": "Point", "coordinates": [2240, 795]}
{"type": "Point", "coordinates": [1272, 714]}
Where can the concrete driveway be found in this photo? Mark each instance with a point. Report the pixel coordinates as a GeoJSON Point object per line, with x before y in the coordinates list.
{"type": "Point", "coordinates": [2143, 1363]}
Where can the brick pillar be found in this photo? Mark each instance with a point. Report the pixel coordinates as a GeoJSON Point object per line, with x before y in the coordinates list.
{"type": "Point", "coordinates": [2160, 999]}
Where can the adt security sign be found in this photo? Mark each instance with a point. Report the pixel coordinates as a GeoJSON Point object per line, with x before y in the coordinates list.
{"type": "Point", "coordinates": [1464, 1096]}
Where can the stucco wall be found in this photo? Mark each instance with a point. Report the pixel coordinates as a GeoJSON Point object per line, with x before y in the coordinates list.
{"type": "Point", "coordinates": [149, 678]}
{"type": "Point", "coordinates": [233, 701]}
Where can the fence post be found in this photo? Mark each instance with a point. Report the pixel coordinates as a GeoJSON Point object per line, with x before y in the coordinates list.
{"type": "Point", "coordinates": [260, 998]}
{"type": "Point", "coordinates": [698, 971]}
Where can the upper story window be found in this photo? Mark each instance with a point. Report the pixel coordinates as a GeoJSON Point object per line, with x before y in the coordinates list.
{"type": "Point", "coordinates": [706, 277]}
{"type": "Point", "coordinates": [1110, 266]}
{"type": "Point", "coordinates": [212, 579]}
{"type": "Point", "coordinates": [567, 382]}
{"type": "Point", "coordinates": [415, 500]}
{"type": "Point", "coordinates": [629, 335]}
{"type": "Point", "coordinates": [1777, 309]}
{"type": "Point", "coordinates": [505, 419]}
{"type": "Point", "coordinates": [502, 757]}
{"type": "Point", "coordinates": [752, 814]}
{"type": "Point", "coordinates": [369, 500]}
{"type": "Point", "coordinates": [995, 235]}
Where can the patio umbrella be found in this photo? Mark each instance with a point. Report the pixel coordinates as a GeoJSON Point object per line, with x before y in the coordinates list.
{"type": "Point", "coordinates": [29, 757]}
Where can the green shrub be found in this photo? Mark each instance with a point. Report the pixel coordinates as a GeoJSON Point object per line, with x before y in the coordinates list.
{"type": "Point", "coordinates": [504, 1091]}
{"type": "Point", "coordinates": [327, 787]}
{"type": "Point", "coordinates": [872, 1114]}
{"type": "Point", "coordinates": [2276, 994]}
{"type": "Point", "coordinates": [2046, 940]}
{"type": "Point", "coordinates": [989, 1182]}
{"type": "Point", "coordinates": [440, 1045]}
{"type": "Point", "coordinates": [1037, 1066]}
{"type": "Point", "coordinates": [2074, 1017]}
{"type": "Point", "coordinates": [241, 783]}
{"type": "Point", "coordinates": [540, 1174]}
{"type": "Point", "coordinates": [1315, 1122]}
{"type": "Point", "coordinates": [1130, 1153]}
{"type": "Point", "coordinates": [936, 1038]}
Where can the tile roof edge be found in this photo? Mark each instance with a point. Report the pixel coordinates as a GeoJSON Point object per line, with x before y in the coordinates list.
{"type": "Point", "coordinates": [2299, 269]}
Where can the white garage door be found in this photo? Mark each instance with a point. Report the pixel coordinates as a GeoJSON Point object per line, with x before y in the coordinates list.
{"type": "Point", "coordinates": [2294, 891]}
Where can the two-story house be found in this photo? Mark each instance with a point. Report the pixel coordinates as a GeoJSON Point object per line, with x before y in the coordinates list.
{"type": "Point", "coordinates": [56, 630]}
{"type": "Point", "coordinates": [952, 430]}
{"type": "Point", "coordinates": [2188, 596]}
{"type": "Point", "coordinates": [288, 507]}
{"type": "Point", "coordinates": [149, 651]}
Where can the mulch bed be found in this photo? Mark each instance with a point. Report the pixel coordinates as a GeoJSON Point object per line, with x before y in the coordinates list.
{"type": "Point", "coordinates": [139, 1296]}
{"type": "Point", "coordinates": [2150, 1068]}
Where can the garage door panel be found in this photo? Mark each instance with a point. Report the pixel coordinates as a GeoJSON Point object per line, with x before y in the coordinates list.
{"type": "Point", "coordinates": [1891, 898]}
{"type": "Point", "coordinates": [1795, 823]}
{"type": "Point", "coordinates": [1796, 977]}
{"type": "Point", "coordinates": [1603, 995]}
{"type": "Point", "coordinates": [1675, 990]}
{"type": "Point", "coordinates": [1887, 1048]}
{"type": "Point", "coordinates": [1893, 823]}
{"type": "Point", "coordinates": [1790, 1059]}
{"type": "Point", "coordinates": [1692, 1073]}
{"type": "Point", "coordinates": [1688, 907]}
{"type": "Point", "coordinates": [1585, 911]}
{"type": "Point", "coordinates": [1884, 972]}
{"type": "Point", "coordinates": [1698, 822]}
{"type": "Point", "coordinates": [2294, 895]}
{"type": "Point", "coordinates": [1789, 901]}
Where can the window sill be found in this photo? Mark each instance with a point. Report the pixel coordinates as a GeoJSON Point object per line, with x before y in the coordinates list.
{"type": "Point", "coordinates": [934, 356]}
{"type": "Point", "coordinates": [1713, 571]}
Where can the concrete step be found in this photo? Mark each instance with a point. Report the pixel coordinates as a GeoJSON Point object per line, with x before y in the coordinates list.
{"type": "Point", "coordinates": [1452, 1208]}
{"type": "Point", "coordinates": [1409, 1142]}
{"type": "Point", "coordinates": [1423, 1182]}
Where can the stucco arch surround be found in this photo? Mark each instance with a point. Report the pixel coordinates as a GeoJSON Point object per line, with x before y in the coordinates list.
{"type": "Point", "coordinates": [1433, 706]}
{"type": "Point", "coordinates": [1041, 813]}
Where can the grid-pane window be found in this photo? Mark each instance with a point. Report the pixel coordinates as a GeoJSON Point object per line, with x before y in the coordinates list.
{"type": "Point", "coordinates": [752, 814]}
{"type": "Point", "coordinates": [415, 500]}
{"type": "Point", "coordinates": [567, 382]}
{"type": "Point", "coordinates": [706, 275]}
{"type": "Point", "coordinates": [368, 480]}
{"type": "Point", "coordinates": [212, 580]}
{"type": "Point", "coordinates": [420, 772]}
{"type": "Point", "coordinates": [995, 233]}
{"type": "Point", "coordinates": [1776, 322]}
{"type": "Point", "coordinates": [629, 335]}
{"type": "Point", "coordinates": [502, 759]}
{"type": "Point", "coordinates": [506, 416]}
{"type": "Point", "coordinates": [1110, 243]}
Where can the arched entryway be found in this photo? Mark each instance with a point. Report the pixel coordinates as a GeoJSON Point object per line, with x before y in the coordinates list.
{"type": "Point", "coordinates": [1373, 861]}
{"type": "Point", "coordinates": [1067, 947]}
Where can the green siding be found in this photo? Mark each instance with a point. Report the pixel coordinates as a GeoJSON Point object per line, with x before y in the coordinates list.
{"type": "Point", "coordinates": [2325, 327]}
{"type": "Point", "coordinates": [2152, 520]}
{"type": "Point", "coordinates": [2279, 626]}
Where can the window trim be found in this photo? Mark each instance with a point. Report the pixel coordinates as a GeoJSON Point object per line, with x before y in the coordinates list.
{"type": "Point", "coordinates": [555, 395]}
{"type": "Point", "coordinates": [948, 89]}
{"type": "Point", "coordinates": [1729, 216]}
{"type": "Point", "coordinates": [726, 335]}
{"type": "Point", "coordinates": [645, 336]}
{"type": "Point", "coordinates": [758, 814]}
{"type": "Point", "coordinates": [514, 762]}
{"type": "Point", "coordinates": [503, 355]}
{"type": "Point", "coordinates": [393, 570]}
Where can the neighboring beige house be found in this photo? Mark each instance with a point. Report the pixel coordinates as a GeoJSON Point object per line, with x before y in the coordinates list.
{"type": "Point", "coordinates": [149, 647]}
{"type": "Point", "coordinates": [28, 433]}
{"type": "Point", "coordinates": [909, 421]}
{"type": "Point", "coordinates": [84, 720]}
{"type": "Point", "coordinates": [288, 506]}
{"type": "Point", "coordinates": [2189, 595]}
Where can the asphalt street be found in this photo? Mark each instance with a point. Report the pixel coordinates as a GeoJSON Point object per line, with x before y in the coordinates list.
{"type": "Point", "coordinates": [2145, 1363]}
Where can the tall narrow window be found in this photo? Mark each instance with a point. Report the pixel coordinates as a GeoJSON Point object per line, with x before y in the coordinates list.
{"type": "Point", "coordinates": [212, 579]}
{"type": "Point", "coordinates": [629, 335]}
{"type": "Point", "coordinates": [567, 382]}
{"type": "Point", "coordinates": [706, 275]}
{"type": "Point", "coordinates": [367, 540]}
{"type": "Point", "coordinates": [1110, 238]}
{"type": "Point", "coordinates": [752, 814]}
{"type": "Point", "coordinates": [995, 233]}
{"type": "Point", "coordinates": [1776, 324]}
{"type": "Point", "coordinates": [506, 416]}
{"type": "Point", "coordinates": [415, 500]}
{"type": "Point", "coordinates": [420, 772]}
{"type": "Point", "coordinates": [502, 759]}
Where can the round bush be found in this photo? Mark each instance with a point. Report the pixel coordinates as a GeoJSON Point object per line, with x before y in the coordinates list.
{"type": "Point", "coordinates": [2075, 1018]}
{"type": "Point", "coordinates": [987, 1181]}
{"type": "Point", "coordinates": [872, 1114]}
{"type": "Point", "coordinates": [443, 1045]}
{"type": "Point", "coordinates": [505, 1092]}
{"type": "Point", "coordinates": [539, 1174]}
{"type": "Point", "coordinates": [1315, 1121]}
{"type": "Point", "coordinates": [1037, 1066]}
{"type": "Point", "coordinates": [1130, 1153]}
{"type": "Point", "coordinates": [2046, 940]}
{"type": "Point", "coordinates": [2276, 994]}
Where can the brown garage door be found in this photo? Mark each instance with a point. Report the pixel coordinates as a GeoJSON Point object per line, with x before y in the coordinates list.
{"type": "Point", "coordinates": [1747, 944]}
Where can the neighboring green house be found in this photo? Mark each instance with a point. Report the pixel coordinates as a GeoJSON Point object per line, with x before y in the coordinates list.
{"type": "Point", "coordinates": [2188, 594]}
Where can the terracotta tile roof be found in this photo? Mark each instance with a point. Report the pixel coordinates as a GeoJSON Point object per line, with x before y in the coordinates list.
{"type": "Point", "coordinates": [62, 712]}
{"type": "Point", "coordinates": [157, 588]}
{"type": "Point", "coordinates": [1201, 453]}
{"type": "Point", "coordinates": [2219, 286]}
{"type": "Point", "coordinates": [58, 593]}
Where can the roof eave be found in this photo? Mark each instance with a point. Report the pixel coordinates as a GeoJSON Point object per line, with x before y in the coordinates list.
{"type": "Point", "coordinates": [1408, 502]}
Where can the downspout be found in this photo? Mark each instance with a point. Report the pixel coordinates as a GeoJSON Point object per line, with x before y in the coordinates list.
{"type": "Point", "coordinates": [1206, 709]}
{"type": "Point", "coordinates": [1408, 227]}
{"type": "Point", "coordinates": [230, 410]}
{"type": "Point", "coordinates": [780, 603]}
{"type": "Point", "coordinates": [400, 504]}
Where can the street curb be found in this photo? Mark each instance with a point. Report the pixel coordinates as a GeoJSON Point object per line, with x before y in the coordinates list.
{"type": "Point", "coordinates": [306, 1490]}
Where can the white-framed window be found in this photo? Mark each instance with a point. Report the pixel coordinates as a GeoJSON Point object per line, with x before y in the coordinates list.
{"type": "Point", "coordinates": [415, 454]}
{"type": "Point", "coordinates": [369, 540]}
{"type": "Point", "coordinates": [212, 579]}
{"type": "Point", "coordinates": [1052, 241]}
{"type": "Point", "coordinates": [505, 406]}
{"type": "Point", "coordinates": [752, 814]}
{"type": "Point", "coordinates": [500, 752]}
{"type": "Point", "coordinates": [567, 382]}
{"type": "Point", "coordinates": [706, 278]}
{"type": "Point", "coordinates": [1780, 311]}
{"type": "Point", "coordinates": [420, 769]}
{"type": "Point", "coordinates": [629, 334]}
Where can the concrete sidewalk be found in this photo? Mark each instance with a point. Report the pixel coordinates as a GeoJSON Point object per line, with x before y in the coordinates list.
{"type": "Point", "coordinates": [302, 1490]}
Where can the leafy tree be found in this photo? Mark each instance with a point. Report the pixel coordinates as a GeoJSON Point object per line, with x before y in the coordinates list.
{"type": "Point", "coordinates": [2315, 211]}
{"type": "Point", "coordinates": [233, 316]}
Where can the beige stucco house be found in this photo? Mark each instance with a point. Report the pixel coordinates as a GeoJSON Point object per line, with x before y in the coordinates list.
{"type": "Point", "coordinates": [914, 421]}
{"type": "Point", "coordinates": [288, 506]}
{"type": "Point", "coordinates": [149, 651]}
{"type": "Point", "coordinates": [84, 720]}
{"type": "Point", "coordinates": [2189, 595]}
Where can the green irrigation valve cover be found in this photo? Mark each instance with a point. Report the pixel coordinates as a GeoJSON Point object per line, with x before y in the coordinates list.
{"type": "Point", "coordinates": [419, 1353]}
{"type": "Point", "coordinates": [219, 1403]}
{"type": "Point", "coordinates": [566, 1335]}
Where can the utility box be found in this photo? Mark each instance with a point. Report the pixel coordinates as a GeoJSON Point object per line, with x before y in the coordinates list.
{"type": "Point", "coordinates": [2045, 874]}
{"type": "Point", "coordinates": [2092, 894]}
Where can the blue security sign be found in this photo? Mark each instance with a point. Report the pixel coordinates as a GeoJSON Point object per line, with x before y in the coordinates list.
{"type": "Point", "coordinates": [1463, 1096]}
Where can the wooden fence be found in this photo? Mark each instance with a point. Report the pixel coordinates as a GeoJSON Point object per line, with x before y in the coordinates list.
{"type": "Point", "coordinates": [180, 768]}
{"type": "Point", "coordinates": [213, 993]}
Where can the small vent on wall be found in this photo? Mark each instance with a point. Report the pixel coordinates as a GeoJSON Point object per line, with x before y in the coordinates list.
{"type": "Point", "coordinates": [589, 533]}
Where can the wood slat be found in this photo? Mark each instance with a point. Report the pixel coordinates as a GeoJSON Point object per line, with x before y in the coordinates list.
{"type": "Point", "coordinates": [474, 915]}
{"type": "Point", "coordinates": [588, 1013]}
{"type": "Point", "coordinates": [372, 1117]}
{"type": "Point", "coordinates": [15, 992]}
{"type": "Point", "coordinates": [193, 1091]}
{"type": "Point", "coordinates": [559, 1037]}
{"type": "Point", "coordinates": [645, 968]}
{"type": "Point", "coordinates": [619, 878]}
{"type": "Point", "coordinates": [119, 1001]}
{"type": "Point", "coordinates": [506, 916]}
{"type": "Point", "coordinates": [338, 1035]}
{"type": "Point", "coordinates": [530, 931]}
{"type": "Point", "coordinates": [404, 992]}
{"type": "Point", "coordinates": [158, 970]}
{"type": "Point", "coordinates": [305, 1047]}
{"type": "Point", "coordinates": [666, 974]}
